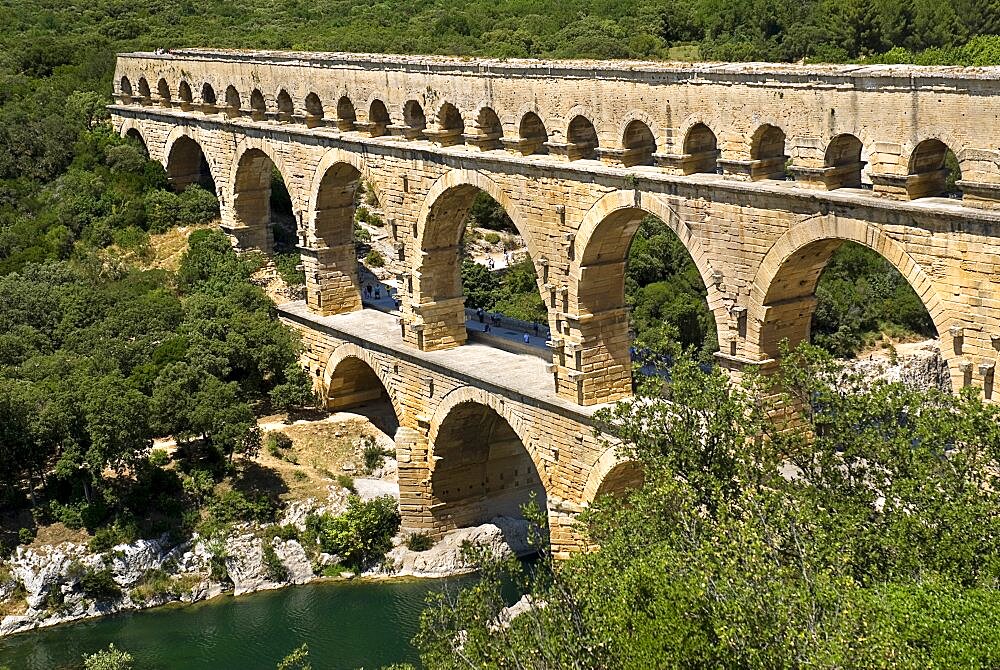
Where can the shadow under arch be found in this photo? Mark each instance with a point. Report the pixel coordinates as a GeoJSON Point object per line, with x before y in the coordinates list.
{"type": "Point", "coordinates": [600, 255]}
{"type": "Point", "coordinates": [187, 164]}
{"type": "Point", "coordinates": [354, 379]}
{"type": "Point", "coordinates": [436, 299]}
{"type": "Point", "coordinates": [481, 461]}
{"type": "Point", "coordinates": [783, 293]}
{"type": "Point", "coordinates": [131, 132]}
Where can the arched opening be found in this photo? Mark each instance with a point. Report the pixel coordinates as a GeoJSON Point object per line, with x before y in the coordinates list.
{"type": "Point", "coordinates": [378, 118]}
{"type": "Point", "coordinates": [934, 171]}
{"type": "Point", "coordinates": [767, 153]}
{"type": "Point", "coordinates": [286, 109]}
{"type": "Point", "coordinates": [414, 121]}
{"type": "Point", "coordinates": [624, 477]}
{"type": "Point", "coordinates": [145, 97]}
{"type": "Point", "coordinates": [136, 136]}
{"type": "Point", "coordinates": [482, 469]}
{"type": "Point", "coordinates": [262, 207]}
{"type": "Point", "coordinates": [258, 108]}
{"type": "Point", "coordinates": [475, 266]}
{"type": "Point", "coordinates": [346, 115]}
{"type": "Point", "coordinates": [845, 297]}
{"type": "Point", "coordinates": [354, 385]}
{"type": "Point", "coordinates": [125, 86]}
{"type": "Point", "coordinates": [581, 139]}
{"type": "Point", "coordinates": [488, 131]}
{"type": "Point", "coordinates": [843, 162]}
{"type": "Point", "coordinates": [638, 144]}
{"type": "Point", "coordinates": [233, 102]}
{"type": "Point", "coordinates": [314, 111]}
{"type": "Point", "coordinates": [163, 91]}
{"type": "Point", "coordinates": [450, 126]}
{"type": "Point", "coordinates": [701, 150]}
{"type": "Point", "coordinates": [641, 297]}
{"type": "Point", "coordinates": [187, 165]}
{"type": "Point", "coordinates": [207, 99]}
{"type": "Point", "coordinates": [532, 134]}
{"type": "Point", "coordinates": [331, 268]}
{"type": "Point", "coordinates": [184, 94]}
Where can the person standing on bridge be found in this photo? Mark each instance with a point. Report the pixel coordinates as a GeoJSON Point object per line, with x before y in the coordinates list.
{"type": "Point", "coordinates": [481, 314]}
{"type": "Point", "coordinates": [527, 339]}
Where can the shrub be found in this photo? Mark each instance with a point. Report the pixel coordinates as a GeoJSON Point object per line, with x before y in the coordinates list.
{"type": "Point", "coordinates": [234, 506]}
{"type": "Point", "coordinates": [25, 536]}
{"type": "Point", "coordinates": [158, 458]}
{"type": "Point", "coordinates": [299, 476]}
{"type": "Point", "coordinates": [346, 482]}
{"type": "Point", "coordinates": [297, 660]}
{"type": "Point", "coordinates": [276, 570]}
{"type": "Point", "coordinates": [276, 441]}
{"type": "Point", "coordinates": [106, 538]}
{"type": "Point", "coordinates": [363, 533]}
{"type": "Point", "coordinates": [100, 585]}
{"type": "Point", "coordinates": [108, 659]}
{"type": "Point", "coordinates": [371, 199]}
{"type": "Point", "coordinates": [289, 269]}
{"type": "Point", "coordinates": [288, 531]}
{"type": "Point", "coordinates": [374, 259]}
{"type": "Point", "coordinates": [376, 221]}
{"type": "Point", "coordinates": [419, 542]}
{"type": "Point", "coordinates": [372, 454]}
{"type": "Point", "coordinates": [197, 206]}
{"type": "Point", "coordinates": [361, 235]}
{"type": "Point", "coordinates": [361, 214]}
{"type": "Point", "coordinates": [492, 238]}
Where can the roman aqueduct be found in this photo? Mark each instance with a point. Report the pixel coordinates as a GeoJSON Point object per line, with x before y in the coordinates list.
{"type": "Point", "coordinates": [762, 171]}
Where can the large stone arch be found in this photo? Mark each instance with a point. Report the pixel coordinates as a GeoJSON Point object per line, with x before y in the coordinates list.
{"type": "Point", "coordinates": [600, 351]}
{"type": "Point", "coordinates": [436, 297]}
{"type": "Point", "coordinates": [248, 192]}
{"type": "Point", "coordinates": [611, 474]}
{"type": "Point", "coordinates": [461, 484]}
{"type": "Point", "coordinates": [350, 351]}
{"type": "Point", "coordinates": [329, 255]}
{"type": "Point", "coordinates": [201, 138]}
{"type": "Point", "coordinates": [133, 128]}
{"type": "Point", "coordinates": [782, 295]}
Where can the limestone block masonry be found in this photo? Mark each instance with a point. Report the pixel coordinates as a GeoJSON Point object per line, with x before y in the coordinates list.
{"type": "Point", "coordinates": [762, 171]}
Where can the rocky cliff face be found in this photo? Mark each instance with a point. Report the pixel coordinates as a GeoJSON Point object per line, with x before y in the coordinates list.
{"type": "Point", "coordinates": [918, 365]}
{"type": "Point", "coordinates": [60, 583]}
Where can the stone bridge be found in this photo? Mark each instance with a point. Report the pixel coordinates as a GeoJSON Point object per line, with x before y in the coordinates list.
{"type": "Point", "coordinates": [762, 171]}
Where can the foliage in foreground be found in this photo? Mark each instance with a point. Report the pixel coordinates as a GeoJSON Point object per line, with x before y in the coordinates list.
{"type": "Point", "coordinates": [108, 659]}
{"type": "Point", "coordinates": [864, 534]}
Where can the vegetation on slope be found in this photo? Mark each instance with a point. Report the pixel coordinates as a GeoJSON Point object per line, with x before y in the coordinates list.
{"type": "Point", "coordinates": [865, 535]}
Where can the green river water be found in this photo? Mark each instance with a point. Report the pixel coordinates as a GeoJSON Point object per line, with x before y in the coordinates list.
{"type": "Point", "coordinates": [347, 625]}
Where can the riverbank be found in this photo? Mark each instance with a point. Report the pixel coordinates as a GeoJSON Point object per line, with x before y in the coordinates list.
{"type": "Point", "coordinates": [67, 582]}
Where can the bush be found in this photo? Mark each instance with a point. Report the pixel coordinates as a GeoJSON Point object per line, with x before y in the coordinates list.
{"type": "Point", "coordinates": [372, 454]}
{"type": "Point", "coordinates": [100, 585]}
{"type": "Point", "coordinates": [419, 542]}
{"type": "Point", "coordinates": [276, 442]}
{"type": "Point", "coordinates": [374, 259]}
{"type": "Point", "coordinates": [106, 538]}
{"type": "Point", "coordinates": [492, 238]}
{"type": "Point", "coordinates": [288, 531]}
{"type": "Point", "coordinates": [346, 482]}
{"type": "Point", "coordinates": [363, 533]}
{"type": "Point", "coordinates": [276, 570]}
{"type": "Point", "coordinates": [233, 506]}
{"type": "Point", "coordinates": [158, 458]}
{"type": "Point", "coordinates": [376, 221]}
{"type": "Point", "coordinates": [108, 659]}
{"type": "Point", "coordinates": [288, 266]}
{"type": "Point", "coordinates": [197, 206]}
{"type": "Point", "coordinates": [25, 536]}
{"type": "Point", "coordinates": [361, 214]}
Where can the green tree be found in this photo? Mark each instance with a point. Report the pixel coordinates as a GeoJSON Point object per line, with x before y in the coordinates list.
{"type": "Point", "coordinates": [111, 658]}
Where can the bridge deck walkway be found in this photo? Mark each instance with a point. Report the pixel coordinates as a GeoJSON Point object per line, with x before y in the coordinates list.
{"type": "Point", "coordinates": [517, 376]}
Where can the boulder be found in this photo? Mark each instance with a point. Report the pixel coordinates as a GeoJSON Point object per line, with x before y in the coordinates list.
{"type": "Point", "coordinates": [502, 537]}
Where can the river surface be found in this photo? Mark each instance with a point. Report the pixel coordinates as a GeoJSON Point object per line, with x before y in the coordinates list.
{"type": "Point", "coordinates": [347, 625]}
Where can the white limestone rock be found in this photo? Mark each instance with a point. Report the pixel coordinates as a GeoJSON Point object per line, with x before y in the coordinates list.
{"type": "Point", "coordinates": [294, 558]}
{"type": "Point", "coordinates": [502, 537]}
